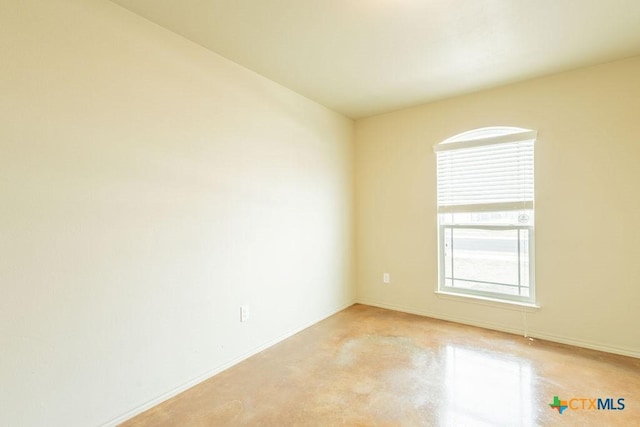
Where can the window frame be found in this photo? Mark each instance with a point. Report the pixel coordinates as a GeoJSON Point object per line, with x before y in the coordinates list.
{"type": "Point", "coordinates": [471, 139]}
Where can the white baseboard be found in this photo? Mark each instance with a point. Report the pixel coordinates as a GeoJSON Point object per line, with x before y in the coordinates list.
{"type": "Point", "coordinates": [502, 328]}
{"type": "Point", "coordinates": [210, 373]}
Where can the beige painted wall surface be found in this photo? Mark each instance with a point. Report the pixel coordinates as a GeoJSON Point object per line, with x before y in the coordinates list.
{"type": "Point", "coordinates": [149, 188]}
{"type": "Point", "coordinates": [587, 204]}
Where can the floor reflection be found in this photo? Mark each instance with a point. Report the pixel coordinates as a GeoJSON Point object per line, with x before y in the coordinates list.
{"type": "Point", "coordinates": [485, 388]}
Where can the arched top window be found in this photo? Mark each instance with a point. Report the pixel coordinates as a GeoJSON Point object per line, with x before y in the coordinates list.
{"type": "Point", "coordinates": [488, 132]}
{"type": "Point", "coordinates": [485, 183]}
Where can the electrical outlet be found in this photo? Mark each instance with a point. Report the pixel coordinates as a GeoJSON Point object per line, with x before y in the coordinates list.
{"type": "Point", "coordinates": [386, 278]}
{"type": "Point", "coordinates": [244, 313]}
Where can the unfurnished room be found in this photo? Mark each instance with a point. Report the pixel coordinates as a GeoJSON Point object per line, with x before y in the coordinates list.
{"type": "Point", "coordinates": [319, 213]}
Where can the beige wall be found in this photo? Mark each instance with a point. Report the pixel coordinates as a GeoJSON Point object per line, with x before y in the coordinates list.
{"type": "Point", "coordinates": [587, 205]}
{"type": "Point", "coordinates": [149, 188]}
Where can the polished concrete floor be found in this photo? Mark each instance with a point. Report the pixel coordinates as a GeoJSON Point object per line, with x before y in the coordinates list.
{"type": "Point", "coordinates": [367, 366]}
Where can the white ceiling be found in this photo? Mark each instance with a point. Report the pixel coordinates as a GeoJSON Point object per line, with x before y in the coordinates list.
{"type": "Point", "coordinates": [364, 57]}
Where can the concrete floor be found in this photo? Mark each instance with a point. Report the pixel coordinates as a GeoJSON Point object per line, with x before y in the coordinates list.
{"type": "Point", "coordinates": [367, 366]}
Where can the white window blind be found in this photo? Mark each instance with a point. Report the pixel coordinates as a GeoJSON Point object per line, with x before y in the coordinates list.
{"type": "Point", "coordinates": [486, 174]}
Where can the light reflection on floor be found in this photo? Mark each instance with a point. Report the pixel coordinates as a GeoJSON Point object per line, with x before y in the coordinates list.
{"type": "Point", "coordinates": [486, 389]}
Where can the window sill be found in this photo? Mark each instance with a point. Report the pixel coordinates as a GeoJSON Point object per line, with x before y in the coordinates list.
{"type": "Point", "coordinates": [492, 302]}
